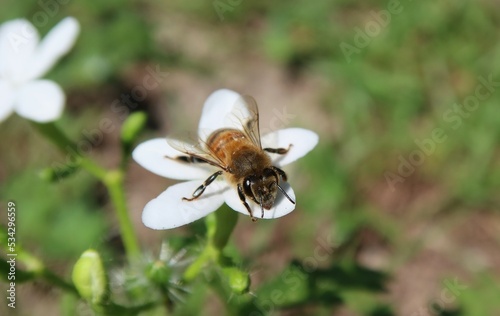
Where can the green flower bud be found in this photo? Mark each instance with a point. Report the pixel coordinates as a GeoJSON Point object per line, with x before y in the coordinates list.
{"type": "Point", "coordinates": [158, 272]}
{"type": "Point", "coordinates": [132, 126]}
{"type": "Point", "coordinates": [239, 281]}
{"type": "Point", "coordinates": [90, 278]}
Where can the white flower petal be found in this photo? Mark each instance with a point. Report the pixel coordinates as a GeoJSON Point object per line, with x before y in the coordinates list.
{"type": "Point", "coordinates": [302, 140]}
{"type": "Point", "coordinates": [18, 41]}
{"type": "Point", "coordinates": [41, 101]}
{"type": "Point", "coordinates": [282, 205]}
{"type": "Point", "coordinates": [6, 100]}
{"type": "Point", "coordinates": [168, 210]}
{"type": "Point", "coordinates": [218, 112]}
{"type": "Point", "coordinates": [53, 46]}
{"type": "Point", "coordinates": [153, 156]}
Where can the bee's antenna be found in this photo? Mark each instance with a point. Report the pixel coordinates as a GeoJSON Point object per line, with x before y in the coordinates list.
{"type": "Point", "coordinates": [261, 208]}
{"type": "Point", "coordinates": [284, 193]}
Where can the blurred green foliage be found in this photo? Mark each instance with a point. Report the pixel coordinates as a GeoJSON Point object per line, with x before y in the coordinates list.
{"type": "Point", "coordinates": [393, 91]}
{"type": "Point", "coordinates": [53, 213]}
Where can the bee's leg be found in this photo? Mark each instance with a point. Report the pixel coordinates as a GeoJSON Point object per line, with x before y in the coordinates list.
{"type": "Point", "coordinates": [199, 191]}
{"type": "Point", "coordinates": [279, 151]}
{"type": "Point", "coordinates": [243, 200]}
{"type": "Point", "coordinates": [187, 159]}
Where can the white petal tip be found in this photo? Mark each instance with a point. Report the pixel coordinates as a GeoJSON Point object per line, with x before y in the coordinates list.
{"type": "Point", "coordinates": [71, 25]}
{"type": "Point", "coordinates": [41, 101]}
{"type": "Point", "coordinates": [169, 211]}
{"type": "Point", "coordinates": [302, 141]}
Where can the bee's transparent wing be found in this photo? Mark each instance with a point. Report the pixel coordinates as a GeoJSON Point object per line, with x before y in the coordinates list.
{"type": "Point", "coordinates": [250, 123]}
{"type": "Point", "coordinates": [198, 151]}
{"type": "Point", "coordinates": [218, 113]}
{"type": "Point", "coordinates": [242, 114]}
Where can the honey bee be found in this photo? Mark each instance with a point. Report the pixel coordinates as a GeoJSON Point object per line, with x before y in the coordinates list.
{"type": "Point", "coordinates": [240, 158]}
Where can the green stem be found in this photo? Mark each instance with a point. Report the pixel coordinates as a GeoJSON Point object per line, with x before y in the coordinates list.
{"type": "Point", "coordinates": [112, 179]}
{"type": "Point", "coordinates": [114, 184]}
{"type": "Point", "coordinates": [220, 225]}
{"type": "Point", "coordinates": [195, 268]}
{"type": "Point", "coordinates": [115, 309]}
{"type": "Point", "coordinates": [225, 221]}
{"type": "Point", "coordinates": [54, 279]}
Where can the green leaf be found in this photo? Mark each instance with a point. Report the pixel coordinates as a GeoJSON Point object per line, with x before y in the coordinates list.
{"type": "Point", "coordinates": [54, 174]}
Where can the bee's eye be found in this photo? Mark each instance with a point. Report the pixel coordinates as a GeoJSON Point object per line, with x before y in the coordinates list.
{"type": "Point", "coordinates": [247, 186]}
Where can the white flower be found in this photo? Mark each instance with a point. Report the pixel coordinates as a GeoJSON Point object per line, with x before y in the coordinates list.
{"type": "Point", "coordinates": [169, 210]}
{"type": "Point", "coordinates": [24, 59]}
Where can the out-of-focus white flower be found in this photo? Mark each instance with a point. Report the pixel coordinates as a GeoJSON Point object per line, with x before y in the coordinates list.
{"type": "Point", "coordinates": [169, 210]}
{"type": "Point", "coordinates": [23, 60]}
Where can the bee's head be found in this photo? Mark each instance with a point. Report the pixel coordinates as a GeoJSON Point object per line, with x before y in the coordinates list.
{"type": "Point", "coordinates": [262, 188]}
